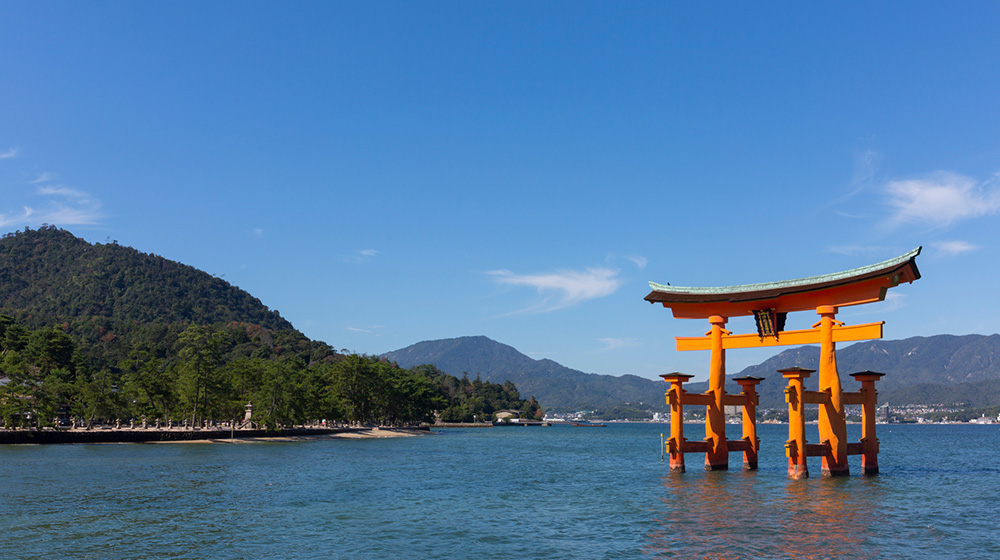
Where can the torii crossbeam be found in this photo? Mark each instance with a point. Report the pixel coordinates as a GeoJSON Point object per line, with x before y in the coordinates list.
{"type": "Point", "coordinates": [769, 303]}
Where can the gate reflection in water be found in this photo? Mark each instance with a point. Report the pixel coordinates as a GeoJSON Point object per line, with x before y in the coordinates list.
{"type": "Point", "coordinates": [728, 515]}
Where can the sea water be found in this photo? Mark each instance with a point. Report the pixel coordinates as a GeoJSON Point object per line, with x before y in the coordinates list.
{"type": "Point", "coordinates": [537, 492]}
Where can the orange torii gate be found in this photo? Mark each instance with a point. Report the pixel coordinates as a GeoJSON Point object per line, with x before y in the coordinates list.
{"type": "Point", "coordinates": [769, 303]}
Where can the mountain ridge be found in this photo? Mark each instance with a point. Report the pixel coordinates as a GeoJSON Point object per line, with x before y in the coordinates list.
{"type": "Point", "coordinates": [948, 368]}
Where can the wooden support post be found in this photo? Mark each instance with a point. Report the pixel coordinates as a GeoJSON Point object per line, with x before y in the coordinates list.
{"type": "Point", "coordinates": [832, 418]}
{"type": "Point", "coordinates": [748, 386]}
{"type": "Point", "coordinates": [717, 458]}
{"type": "Point", "coordinates": [796, 445]}
{"type": "Point", "coordinates": [869, 443]}
{"type": "Point", "coordinates": [675, 399]}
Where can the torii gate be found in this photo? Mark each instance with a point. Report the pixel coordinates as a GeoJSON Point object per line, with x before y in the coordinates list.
{"type": "Point", "coordinates": [769, 303]}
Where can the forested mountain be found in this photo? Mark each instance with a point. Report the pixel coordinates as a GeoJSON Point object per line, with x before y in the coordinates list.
{"type": "Point", "coordinates": [556, 386]}
{"type": "Point", "coordinates": [102, 331]}
{"type": "Point", "coordinates": [113, 299]}
{"type": "Point", "coordinates": [941, 369]}
{"type": "Point", "coordinates": [49, 275]}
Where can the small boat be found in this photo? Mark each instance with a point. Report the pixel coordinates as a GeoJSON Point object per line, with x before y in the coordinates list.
{"type": "Point", "coordinates": [587, 425]}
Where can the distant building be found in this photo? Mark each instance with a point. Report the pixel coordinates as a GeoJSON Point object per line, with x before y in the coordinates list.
{"type": "Point", "coordinates": [882, 412]}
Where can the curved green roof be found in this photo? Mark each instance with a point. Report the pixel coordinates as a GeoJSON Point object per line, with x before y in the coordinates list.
{"type": "Point", "coordinates": [810, 282]}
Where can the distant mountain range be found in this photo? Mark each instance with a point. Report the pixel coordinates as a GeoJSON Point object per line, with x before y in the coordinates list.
{"type": "Point", "coordinates": [937, 369]}
{"type": "Point", "coordinates": [554, 385]}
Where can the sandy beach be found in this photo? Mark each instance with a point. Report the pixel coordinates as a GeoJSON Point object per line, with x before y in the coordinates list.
{"type": "Point", "coordinates": [112, 436]}
{"type": "Point", "coordinates": [347, 433]}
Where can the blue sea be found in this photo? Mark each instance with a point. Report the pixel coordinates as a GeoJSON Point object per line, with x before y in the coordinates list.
{"type": "Point", "coordinates": [511, 493]}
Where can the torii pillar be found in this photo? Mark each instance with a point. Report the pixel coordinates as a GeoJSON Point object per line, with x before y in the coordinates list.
{"type": "Point", "coordinates": [869, 443]}
{"type": "Point", "coordinates": [717, 457]}
{"type": "Point", "coordinates": [832, 417]}
{"type": "Point", "coordinates": [795, 396]}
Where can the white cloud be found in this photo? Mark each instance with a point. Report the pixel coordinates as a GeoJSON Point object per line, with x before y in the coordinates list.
{"type": "Point", "coordinates": [258, 232]}
{"type": "Point", "coordinates": [851, 250]}
{"type": "Point", "coordinates": [564, 288]}
{"type": "Point", "coordinates": [617, 343]}
{"type": "Point", "coordinates": [71, 216]}
{"type": "Point", "coordinates": [894, 301]}
{"type": "Point", "coordinates": [941, 199]}
{"type": "Point", "coordinates": [43, 178]}
{"type": "Point", "coordinates": [64, 207]}
{"type": "Point", "coordinates": [6, 220]}
{"type": "Point", "coordinates": [59, 190]}
{"type": "Point", "coordinates": [866, 165]}
{"type": "Point", "coordinates": [952, 248]}
{"type": "Point", "coordinates": [851, 215]}
{"type": "Point", "coordinates": [11, 153]}
{"type": "Point", "coordinates": [367, 330]}
{"type": "Point", "coordinates": [639, 261]}
{"type": "Point", "coordinates": [362, 256]}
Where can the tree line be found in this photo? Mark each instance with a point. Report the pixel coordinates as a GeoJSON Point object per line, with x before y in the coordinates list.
{"type": "Point", "coordinates": [197, 373]}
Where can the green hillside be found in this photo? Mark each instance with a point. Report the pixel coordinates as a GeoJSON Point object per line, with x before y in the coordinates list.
{"type": "Point", "coordinates": [113, 299]}
{"type": "Point", "coordinates": [102, 331]}
{"type": "Point", "coordinates": [49, 275]}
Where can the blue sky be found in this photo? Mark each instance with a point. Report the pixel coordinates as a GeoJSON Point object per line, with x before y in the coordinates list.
{"type": "Point", "coordinates": [386, 173]}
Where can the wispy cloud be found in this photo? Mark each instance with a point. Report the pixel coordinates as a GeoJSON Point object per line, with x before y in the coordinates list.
{"type": "Point", "coordinates": [258, 232]}
{"type": "Point", "coordinates": [61, 206]}
{"type": "Point", "coordinates": [852, 250]}
{"type": "Point", "coordinates": [952, 248]}
{"type": "Point", "coordinates": [562, 289]}
{"type": "Point", "coordinates": [618, 343]}
{"type": "Point", "coordinates": [43, 178]}
{"type": "Point", "coordinates": [17, 219]}
{"type": "Point", "coordinates": [361, 256]}
{"type": "Point", "coordinates": [44, 202]}
{"type": "Point", "coordinates": [894, 301]}
{"type": "Point", "coordinates": [367, 330]}
{"type": "Point", "coordinates": [866, 166]}
{"type": "Point", "coordinates": [851, 215]}
{"type": "Point", "coordinates": [65, 192]}
{"type": "Point", "coordinates": [941, 199]}
{"type": "Point", "coordinates": [639, 260]}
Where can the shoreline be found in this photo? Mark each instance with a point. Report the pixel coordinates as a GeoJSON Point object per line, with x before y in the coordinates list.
{"type": "Point", "coordinates": [153, 435]}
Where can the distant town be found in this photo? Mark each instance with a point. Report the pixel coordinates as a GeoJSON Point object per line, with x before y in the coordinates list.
{"type": "Point", "coordinates": [957, 413]}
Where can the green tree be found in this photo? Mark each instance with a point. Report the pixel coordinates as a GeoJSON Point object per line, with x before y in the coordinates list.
{"type": "Point", "coordinates": [356, 382]}
{"type": "Point", "coordinates": [199, 385]}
